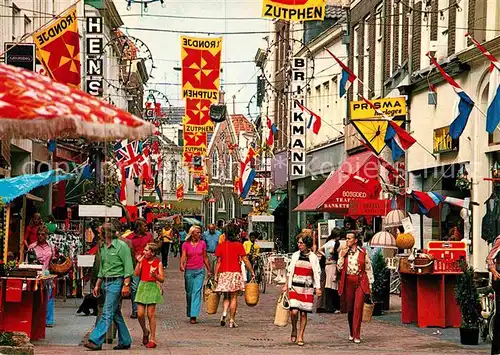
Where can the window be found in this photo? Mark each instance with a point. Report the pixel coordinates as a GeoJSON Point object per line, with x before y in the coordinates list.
{"type": "Point", "coordinates": [221, 203]}
{"type": "Point", "coordinates": [230, 167]}
{"type": "Point", "coordinates": [16, 15]}
{"type": "Point", "coordinates": [27, 25]}
{"type": "Point", "coordinates": [215, 164]}
{"type": "Point", "coordinates": [366, 57]}
{"type": "Point", "coordinates": [378, 51]}
{"type": "Point", "coordinates": [211, 210]}
{"type": "Point", "coordinates": [230, 208]}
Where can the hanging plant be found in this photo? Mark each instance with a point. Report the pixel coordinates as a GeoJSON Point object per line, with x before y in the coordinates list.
{"type": "Point", "coordinates": [463, 182]}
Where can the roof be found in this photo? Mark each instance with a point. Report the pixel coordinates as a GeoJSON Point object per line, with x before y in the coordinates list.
{"type": "Point", "coordinates": [356, 178]}
{"type": "Point", "coordinates": [241, 124]}
{"type": "Point", "coordinates": [333, 11]}
{"type": "Point", "coordinates": [175, 114]}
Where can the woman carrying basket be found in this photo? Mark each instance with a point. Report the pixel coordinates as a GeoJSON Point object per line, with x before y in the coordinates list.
{"type": "Point", "coordinates": [228, 274]}
{"type": "Point", "coordinates": [356, 277]}
{"type": "Point", "coordinates": [304, 277]}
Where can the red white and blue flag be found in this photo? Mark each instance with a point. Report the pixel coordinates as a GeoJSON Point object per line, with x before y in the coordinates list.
{"type": "Point", "coordinates": [272, 132]}
{"type": "Point", "coordinates": [347, 78]}
{"type": "Point", "coordinates": [398, 140]}
{"type": "Point", "coordinates": [247, 174]}
{"type": "Point", "coordinates": [493, 112]}
{"type": "Point", "coordinates": [428, 200]}
{"type": "Point", "coordinates": [314, 121]}
{"type": "Point", "coordinates": [465, 103]}
{"type": "Point", "coordinates": [132, 158]}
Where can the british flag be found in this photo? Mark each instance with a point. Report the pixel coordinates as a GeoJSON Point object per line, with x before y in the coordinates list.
{"type": "Point", "coordinates": [132, 158]}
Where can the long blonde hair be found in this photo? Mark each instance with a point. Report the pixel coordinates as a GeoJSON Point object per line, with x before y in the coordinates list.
{"type": "Point", "coordinates": [191, 230]}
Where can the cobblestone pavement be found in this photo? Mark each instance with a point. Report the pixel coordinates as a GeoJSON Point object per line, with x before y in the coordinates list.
{"type": "Point", "coordinates": [325, 333]}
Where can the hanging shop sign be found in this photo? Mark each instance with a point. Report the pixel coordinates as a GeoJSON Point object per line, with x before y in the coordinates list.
{"type": "Point", "coordinates": [390, 106]}
{"type": "Point", "coordinates": [298, 121]}
{"type": "Point", "coordinates": [201, 61]}
{"type": "Point", "coordinates": [94, 83]}
{"type": "Point", "coordinates": [369, 207]}
{"type": "Point", "coordinates": [20, 55]}
{"type": "Point", "coordinates": [442, 141]}
{"type": "Point", "coordinates": [294, 10]}
{"type": "Point", "coordinates": [58, 48]}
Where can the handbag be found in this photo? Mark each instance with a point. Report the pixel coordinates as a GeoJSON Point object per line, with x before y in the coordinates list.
{"type": "Point", "coordinates": [282, 314]}
{"type": "Point", "coordinates": [211, 297]}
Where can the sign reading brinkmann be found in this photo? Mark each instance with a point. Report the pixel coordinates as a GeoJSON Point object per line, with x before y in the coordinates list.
{"type": "Point", "coordinates": [294, 10]}
{"type": "Point", "coordinates": [298, 121]}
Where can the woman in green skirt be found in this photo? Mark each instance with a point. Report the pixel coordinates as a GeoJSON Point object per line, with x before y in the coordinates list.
{"type": "Point", "coordinates": [150, 270]}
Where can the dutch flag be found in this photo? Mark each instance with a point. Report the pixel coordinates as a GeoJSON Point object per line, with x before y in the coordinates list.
{"type": "Point", "coordinates": [347, 78]}
{"type": "Point", "coordinates": [464, 107]}
{"type": "Point", "coordinates": [493, 113]}
{"type": "Point", "coordinates": [398, 140]}
{"type": "Point", "coordinates": [272, 132]}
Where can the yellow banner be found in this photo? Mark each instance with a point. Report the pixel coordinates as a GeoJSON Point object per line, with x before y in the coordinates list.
{"type": "Point", "coordinates": [294, 10]}
{"type": "Point", "coordinates": [209, 128]}
{"type": "Point", "coordinates": [391, 107]}
{"type": "Point", "coordinates": [58, 48]}
{"type": "Point", "coordinates": [201, 61]}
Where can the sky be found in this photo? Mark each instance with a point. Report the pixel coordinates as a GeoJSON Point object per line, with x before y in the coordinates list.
{"type": "Point", "coordinates": [165, 46]}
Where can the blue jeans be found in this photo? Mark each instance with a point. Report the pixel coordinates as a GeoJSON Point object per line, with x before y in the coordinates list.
{"type": "Point", "coordinates": [193, 283]}
{"type": "Point", "coordinates": [134, 283]}
{"type": "Point", "coordinates": [111, 312]}
{"type": "Point", "coordinates": [49, 315]}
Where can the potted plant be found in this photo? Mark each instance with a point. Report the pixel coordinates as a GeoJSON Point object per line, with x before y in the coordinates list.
{"type": "Point", "coordinates": [381, 276]}
{"type": "Point", "coordinates": [468, 300]}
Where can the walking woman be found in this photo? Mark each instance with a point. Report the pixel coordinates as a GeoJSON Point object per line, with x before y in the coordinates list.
{"type": "Point", "coordinates": [228, 273]}
{"type": "Point", "coordinates": [304, 276]}
{"type": "Point", "coordinates": [330, 300]}
{"type": "Point", "coordinates": [194, 260]}
{"type": "Point", "coordinates": [150, 270]}
{"type": "Point", "coordinates": [356, 277]}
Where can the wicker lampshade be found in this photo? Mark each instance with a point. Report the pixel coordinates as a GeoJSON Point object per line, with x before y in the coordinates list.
{"type": "Point", "coordinates": [394, 218]}
{"type": "Point", "coordinates": [383, 240]}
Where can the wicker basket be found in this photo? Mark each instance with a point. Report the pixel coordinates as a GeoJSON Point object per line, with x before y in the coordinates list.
{"type": "Point", "coordinates": [61, 269]}
{"type": "Point", "coordinates": [282, 314]}
{"type": "Point", "coordinates": [212, 300]}
{"type": "Point", "coordinates": [252, 293]}
{"type": "Point", "coordinates": [368, 312]}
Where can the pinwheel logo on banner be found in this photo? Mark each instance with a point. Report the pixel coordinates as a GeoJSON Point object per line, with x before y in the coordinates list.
{"type": "Point", "coordinates": [58, 48]}
{"type": "Point", "coordinates": [197, 115]}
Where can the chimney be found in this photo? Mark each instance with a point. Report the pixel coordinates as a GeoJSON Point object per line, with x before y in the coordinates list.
{"type": "Point", "coordinates": [234, 104]}
{"type": "Point", "coordinates": [221, 97]}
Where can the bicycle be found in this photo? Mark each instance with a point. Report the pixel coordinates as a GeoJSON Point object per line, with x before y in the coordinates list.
{"type": "Point", "coordinates": [488, 312]}
{"type": "Point", "coordinates": [260, 274]}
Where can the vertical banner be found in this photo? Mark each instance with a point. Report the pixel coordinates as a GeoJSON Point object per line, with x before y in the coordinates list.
{"type": "Point", "coordinates": [201, 64]}
{"type": "Point", "coordinates": [58, 48]}
{"type": "Point", "coordinates": [298, 121]}
{"type": "Point", "coordinates": [294, 10]}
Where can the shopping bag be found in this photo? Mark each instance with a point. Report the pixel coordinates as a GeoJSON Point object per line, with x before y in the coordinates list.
{"type": "Point", "coordinates": [368, 309]}
{"type": "Point", "coordinates": [211, 297]}
{"type": "Point", "coordinates": [282, 311]}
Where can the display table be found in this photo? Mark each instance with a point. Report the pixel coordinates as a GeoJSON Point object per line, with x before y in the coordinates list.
{"type": "Point", "coordinates": [429, 300]}
{"type": "Point", "coordinates": [23, 304]}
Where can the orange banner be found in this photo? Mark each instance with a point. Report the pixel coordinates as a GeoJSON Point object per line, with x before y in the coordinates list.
{"type": "Point", "coordinates": [201, 62]}
{"type": "Point", "coordinates": [58, 48]}
{"type": "Point", "coordinates": [202, 187]}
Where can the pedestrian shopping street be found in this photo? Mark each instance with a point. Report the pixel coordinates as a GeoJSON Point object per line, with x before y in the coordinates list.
{"type": "Point", "coordinates": [325, 333]}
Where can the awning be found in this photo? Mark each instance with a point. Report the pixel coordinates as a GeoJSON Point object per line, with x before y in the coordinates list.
{"type": "Point", "coordinates": [192, 221]}
{"type": "Point", "coordinates": [12, 188]}
{"type": "Point", "coordinates": [357, 178]}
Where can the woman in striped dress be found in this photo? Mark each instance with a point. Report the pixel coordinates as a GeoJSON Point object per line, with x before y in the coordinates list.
{"type": "Point", "coordinates": [303, 278]}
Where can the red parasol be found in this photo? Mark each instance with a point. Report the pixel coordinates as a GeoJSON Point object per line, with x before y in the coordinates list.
{"type": "Point", "coordinates": [34, 106]}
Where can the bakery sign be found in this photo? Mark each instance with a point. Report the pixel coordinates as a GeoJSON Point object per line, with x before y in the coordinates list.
{"type": "Point", "coordinates": [343, 201]}
{"type": "Point", "coordinates": [442, 141]}
{"type": "Point", "coordinates": [298, 120]}
{"type": "Point", "coordinates": [367, 207]}
{"type": "Point", "coordinates": [94, 84]}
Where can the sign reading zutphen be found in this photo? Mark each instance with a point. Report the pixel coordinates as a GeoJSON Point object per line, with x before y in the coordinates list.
{"type": "Point", "coordinates": [298, 121]}
{"type": "Point", "coordinates": [390, 106]}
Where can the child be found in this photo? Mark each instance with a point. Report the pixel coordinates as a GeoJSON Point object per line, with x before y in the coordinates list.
{"type": "Point", "coordinates": [150, 270]}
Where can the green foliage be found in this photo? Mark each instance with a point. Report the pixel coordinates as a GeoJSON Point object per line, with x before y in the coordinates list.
{"type": "Point", "coordinates": [381, 276]}
{"type": "Point", "coordinates": [6, 339]}
{"type": "Point", "coordinates": [467, 297]}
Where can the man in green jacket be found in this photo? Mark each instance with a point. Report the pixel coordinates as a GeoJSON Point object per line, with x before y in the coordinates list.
{"type": "Point", "coordinates": [114, 277]}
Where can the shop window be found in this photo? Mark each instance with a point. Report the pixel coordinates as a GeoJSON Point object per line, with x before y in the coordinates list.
{"type": "Point", "coordinates": [221, 204]}
{"type": "Point", "coordinates": [215, 165]}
